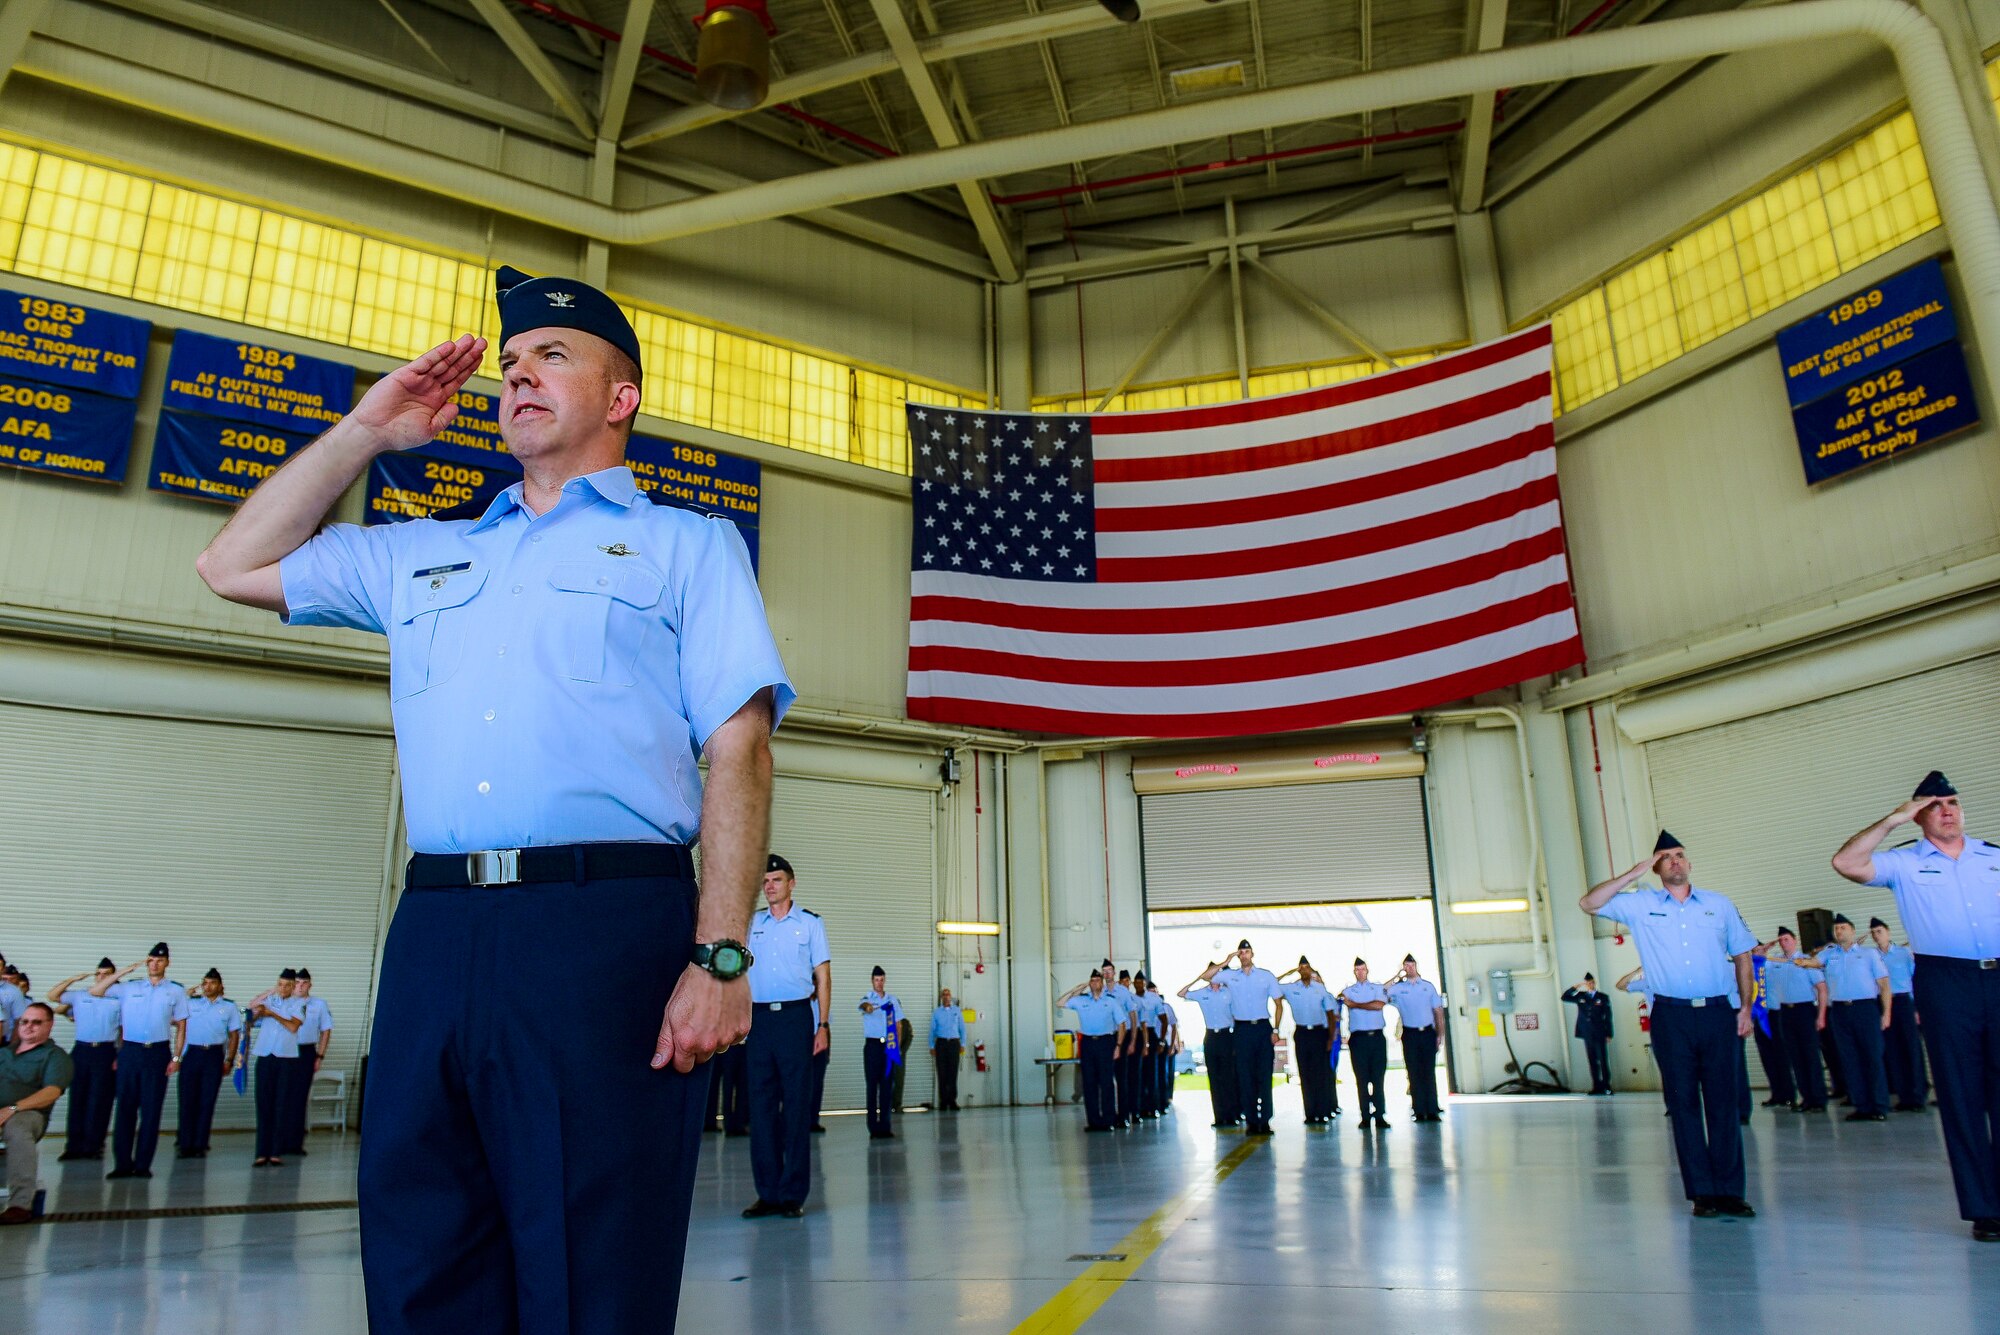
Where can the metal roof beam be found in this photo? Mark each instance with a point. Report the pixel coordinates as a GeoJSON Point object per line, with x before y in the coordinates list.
{"type": "Point", "coordinates": [536, 61]}
{"type": "Point", "coordinates": [1266, 242]}
{"type": "Point", "coordinates": [1486, 29]}
{"type": "Point", "coordinates": [624, 69]}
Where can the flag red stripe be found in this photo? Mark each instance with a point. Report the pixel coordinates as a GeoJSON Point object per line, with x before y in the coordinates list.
{"type": "Point", "coordinates": [1327, 396]}
{"type": "Point", "coordinates": [1249, 667]}
{"type": "Point", "coordinates": [1312, 500]}
{"type": "Point", "coordinates": [1195, 620]}
{"type": "Point", "coordinates": [1327, 445]}
{"type": "Point", "coordinates": [1404, 699]}
{"type": "Point", "coordinates": [1335, 547]}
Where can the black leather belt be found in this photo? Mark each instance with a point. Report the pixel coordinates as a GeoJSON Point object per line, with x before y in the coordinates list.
{"type": "Point", "coordinates": [782, 1005]}
{"type": "Point", "coordinates": [1862, 1001]}
{"type": "Point", "coordinates": [558, 862]}
{"type": "Point", "coordinates": [1959, 961]}
{"type": "Point", "coordinates": [1695, 1002]}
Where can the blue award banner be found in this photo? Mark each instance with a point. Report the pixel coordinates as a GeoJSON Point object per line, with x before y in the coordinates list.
{"type": "Point", "coordinates": [1891, 413]}
{"type": "Point", "coordinates": [67, 432]}
{"type": "Point", "coordinates": [422, 482]}
{"type": "Point", "coordinates": [700, 479]}
{"type": "Point", "coordinates": [251, 383]}
{"type": "Point", "coordinates": [61, 344]}
{"type": "Point", "coordinates": [1897, 318]}
{"type": "Point", "coordinates": [217, 460]}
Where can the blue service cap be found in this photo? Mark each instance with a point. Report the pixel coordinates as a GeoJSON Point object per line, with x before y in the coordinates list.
{"type": "Point", "coordinates": [1935, 785]}
{"type": "Point", "coordinates": [560, 303]}
{"type": "Point", "coordinates": [1666, 841]}
{"type": "Point", "coordinates": [158, 952]}
{"type": "Point", "coordinates": [776, 863]}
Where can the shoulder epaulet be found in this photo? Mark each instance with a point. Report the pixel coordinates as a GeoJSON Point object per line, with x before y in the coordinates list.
{"type": "Point", "coordinates": [808, 912]}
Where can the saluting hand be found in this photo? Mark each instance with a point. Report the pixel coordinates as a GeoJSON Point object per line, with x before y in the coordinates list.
{"type": "Point", "coordinates": [410, 405]}
{"type": "Point", "coordinates": [704, 1016]}
{"type": "Point", "coordinates": [1907, 812]}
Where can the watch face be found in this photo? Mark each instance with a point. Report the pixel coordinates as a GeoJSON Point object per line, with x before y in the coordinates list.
{"type": "Point", "coordinates": [727, 960]}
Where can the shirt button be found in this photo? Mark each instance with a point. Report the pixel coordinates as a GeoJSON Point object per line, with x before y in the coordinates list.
{"type": "Point", "coordinates": [502, 652]}
{"type": "Point", "coordinates": [534, 537]}
{"type": "Point", "coordinates": [489, 716]}
{"type": "Point", "coordinates": [517, 588]}
{"type": "Point", "coordinates": [485, 787]}
{"type": "Point", "coordinates": [601, 580]}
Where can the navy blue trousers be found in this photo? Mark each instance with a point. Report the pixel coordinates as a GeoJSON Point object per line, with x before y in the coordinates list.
{"type": "Point", "coordinates": [92, 1092]}
{"type": "Point", "coordinates": [729, 1090]}
{"type": "Point", "coordinates": [1776, 1061]}
{"type": "Point", "coordinates": [820, 1063]}
{"type": "Point", "coordinates": [1368, 1054]}
{"type": "Point", "coordinates": [1743, 1080]}
{"type": "Point", "coordinates": [1702, 1075]}
{"type": "Point", "coordinates": [778, 1067]}
{"type": "Point", "coordinates": [1149, 1081]}
{"type": "Point", "coordinates": [1857, 1030]}
{"type": "Point", "coordinates": [1218, 1054]}
{"type": "Point", "coordinates": [946, 1055]}
{"type": "Point", "coordinates": [272, 1077]}
{"type": "Point", "coordinates": [1597, 1051]}
{"type": "Point", "coordinates": [142, 1093]}
{"type": "Point", "coordinates": [881, 1082]}
{"type": "Point", "coordinates": [1960, 1003]}
{"type": "Point", "coordinates": [1420, 1060]}
{"type": "Point", "coordinates": [298, 1098]}
{"type": "Point", "coordinates": [1095, 1060]}
{"type": "Point", "coordinates": [1125, 1076]}
{"type": "Point", "coordinates": [524, 1170]}
{"type": "Point", "coordinates": [1254, 1063]}
{"type": "Point", "coordinates": [1798, 1024]}
{"type": "Point", "coordinates": [1903, 1053]}
{"type": "Point", "coordinates": [1165, 1057]}
{"type": "Point", "coordinates": [1309, 1052]}
{"type": "Point", "coordinates": [200, 1082]}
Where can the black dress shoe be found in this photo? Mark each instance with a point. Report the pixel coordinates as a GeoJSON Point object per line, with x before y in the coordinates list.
{"type": "Point", "coordinates": [1735, 1207]}
{"type": "Point", "coordinates": [760, 1208]}
{"type": "Point", "coordinates": [1776, 1103]}
{"type": "Point", "coordinates": [1986, 1230]}
{"type": "Point", "coordinates": [1909, 1107]}
{"type": "Point", "coordinates": [1381, 1123]}
{"type": "Point", "coordinates": [1704, 1207]}
{"type": "Point", "coordinates": [117, 1173]}
{"type": "Point", "coordinates": [1811, 1108]}
{"type": "Point", "coordinates": [793, 1209]}
{"type": "Point", "coordinates": [1865, 1117]}
{"type": "Point", "coordinates": [67, 1157]}
{"type": "Point", "coordinates": [142, 1172]}
{"type": "Point", "coordinates": [818, 1129]}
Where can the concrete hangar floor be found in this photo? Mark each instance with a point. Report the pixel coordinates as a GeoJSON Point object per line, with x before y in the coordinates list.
{"type": "Point", "coordinates": [1540, 1215]}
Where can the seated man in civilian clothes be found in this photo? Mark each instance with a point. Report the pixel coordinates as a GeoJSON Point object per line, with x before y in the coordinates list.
{"type": "Point", "coordinates": [34, 1072]}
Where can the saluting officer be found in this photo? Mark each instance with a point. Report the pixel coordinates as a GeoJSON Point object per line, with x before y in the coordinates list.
{"type": "Point", "coordinates": [214, 1028]}
{"type": "Point", "coordinates": [1368, 1044]}
{"type": "Point", "coordinates": [1315, 1014]}
{"type": "Point", "coordinates": [947, 1039]}
{"type": "Point", "coordinates": [1593, 1029]}
{"type": "Point", "coordinates": [1218, 1046]}
{"type": "Point", "coordinates": [1420, 1009]}
{"type": "Point", "coordinates": [879, 1009]}
{"type": "Point", "coordinates": [1769, 1036]}
{"type": "Point", "coordinates": [1146, 1042]}
{"type": "Point", "coordinates": [315, 1033]}
{"type": "Point", "coordinates": [1857, 989]}
{"type": "Point", "coordinates": [1800, 997]}
{"type": "Point", "coordinates": [1251, 992]}
{"type": "Point", "coordinates": [94, 1052]}
{"type": "Point", "coordinates": [1100, 1027]}
{"type": "Point", "coordinates": [1947, 888]}
{"type": "Point", "coordinates": [559, 663]}
{"type": "Point", "coordinates": [1696, 954]}
{"type": "Point", "coordinates": [1125, 1074]}
{"type": "Point", "coordinates": [791, 981]}
{"type": "Point", "coordinates": [276, 1015]}
{"type": "Point", "coordinates": [1903, 1045]}
{"type": "Point", "coordinates": [1170, 1034]}
{"type": "Point", "coordinates": [152, 1019]}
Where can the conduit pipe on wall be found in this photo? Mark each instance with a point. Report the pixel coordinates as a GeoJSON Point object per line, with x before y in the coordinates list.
{"type": "Point", "coordinates": [1922, 63]}
{"type": "Point", "coordinates": [1537, 883]}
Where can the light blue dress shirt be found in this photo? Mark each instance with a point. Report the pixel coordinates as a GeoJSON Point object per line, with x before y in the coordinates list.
{"type": "Point", "coordinates": [1121, 995]}
{"type": "Point", "coordinates": [1311, 1004]}
{"type": "Point", "coordinates": [1640, 988]}
{"type": "Point", "coordinates": [1096, 1017]}
{"type": "Point", "coordinates": [1853, 972]}
{"type": "Point", "coordinates": [1950, 906]}
{"type": "Point", "coordinates": [1251, 992]}
{"type": "Point", "coordinates": [1360, 1021]}
{"type": "Point", "coordinates": [1149, 1009]}
{"type": "Point", "coordinates": [147, 1010]}
{"type": "Point", "coordinates": [12, 1002]}
{"type": "Point", "coordinates": [553, 679]}
{"type": "Point", "coordinates": [96, 1018]}
{"type": "Point", "coordinates": [1901, 962]}
{"type": "Point", "coordinates": [1687, 947]}
{"type": "Point", "coordinates": [875, 1023]}
{"type": "Point", "coordinates": [272, 1039]}
{"type": "Point", "coordinates": [947, 1022]}
{"type": "Point", "coordinates": [316, 1018]}
{"type": "Point", "coordinates": [1214, 1002]}
{"type": "Point", "coordinates": [1788, 985]}
{"type": "Point", "coordinates": [784, 952]}
{"type": "Point", "coordinates": [1415, 1000]}
{"type": "Point", "coordinates": [212, 1022]}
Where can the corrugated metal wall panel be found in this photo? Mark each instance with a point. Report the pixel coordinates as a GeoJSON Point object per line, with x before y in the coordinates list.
{"type": "Point", "coordinates": [246, 849]}
{"type": "Point", "coordinates": [1314, 843]}
{"type": "Point", "coordinates": [1763, 803]}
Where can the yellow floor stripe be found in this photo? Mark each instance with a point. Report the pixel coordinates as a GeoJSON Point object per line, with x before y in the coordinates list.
{"type": "Point", "coordinates": [1079, 1299]}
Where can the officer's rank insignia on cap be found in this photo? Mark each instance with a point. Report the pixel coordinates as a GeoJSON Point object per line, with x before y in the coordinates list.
{"type": "Point", "coordinates": [566, 300]}
{"type": "Point", "coordinates": [617, 549]}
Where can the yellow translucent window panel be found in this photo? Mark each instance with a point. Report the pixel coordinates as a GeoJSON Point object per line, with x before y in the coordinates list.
{"type": "Point", "coordinates": [196, 253]}
{"type": "Point", "coordinates": [821, 416]}
{"type": "Point", "coordinates": [303, 278]}
{"type": "Point", "coordinates": [1993, 83]}
{"type": "Point", "coordinates": [1644, 323]}
{"type": "Point", "coordinates": [407, 301]}
{"type": "Point", "coordinates": [17, 178]}
{"type": "Point", "coordinates": [753, 388]}
{"type": "Point", "coordinates": [680, 367]}
{"type": "Point", "coordinates": [84, 225]}
{"type": "Point", "coordinates": [1784, 242]}
{"type": "Point", "coordinates": [1878, 192]}
{"type": "Point", "coordinates": [1708, 283]}
{"type": "Point", "coordinates": [1585, 364]}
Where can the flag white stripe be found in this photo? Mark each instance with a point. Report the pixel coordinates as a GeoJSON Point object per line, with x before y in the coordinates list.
{"type": "Point", "coordinates": [1178, 442]}
{"type": "Point", "coordinates": [1282, 638]}
{"type": "Point", "coordinates": [1276, 693]}
{"type": "Point", "coordinates": [1333, 469]}
{"type": "Point", "coordinates": [1263, 533]}
{"type": "Point", "coordinates": [1229, 590]}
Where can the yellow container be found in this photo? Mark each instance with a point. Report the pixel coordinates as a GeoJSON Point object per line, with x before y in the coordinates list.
{"type": "Point", "coordinates": [1065, 1045]}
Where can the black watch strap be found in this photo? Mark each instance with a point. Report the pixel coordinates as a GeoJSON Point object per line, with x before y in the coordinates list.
{"type": "Point", "coordinates": [724, 958]}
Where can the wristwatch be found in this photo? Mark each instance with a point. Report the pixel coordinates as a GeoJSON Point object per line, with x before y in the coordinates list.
{"type": "Point", "coordinates": [725, 959]}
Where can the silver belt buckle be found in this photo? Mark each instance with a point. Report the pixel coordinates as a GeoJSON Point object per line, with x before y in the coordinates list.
{"type": "Point", "coordinates": [493, 866]}
{"type": "Point", "coordinates": [777, 1005]}
{"type": "Point", "coordinates": [1990, 964]}
{"type": "Point", "coordinates": [1698, 1002]}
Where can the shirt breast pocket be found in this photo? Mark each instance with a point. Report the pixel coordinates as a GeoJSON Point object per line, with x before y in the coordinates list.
{"type": "Point", "coordinates": [605, 613]}
{"type": "Point", "coordinates": [429, 637]}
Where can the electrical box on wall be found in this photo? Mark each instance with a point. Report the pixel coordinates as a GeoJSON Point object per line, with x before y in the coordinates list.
{"type": "Point", "coordinates": [1501, 983]}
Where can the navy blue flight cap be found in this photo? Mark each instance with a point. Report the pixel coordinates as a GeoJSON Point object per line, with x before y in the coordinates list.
{"type": "Point", "coordinates": [1244, 944]}
{"type": "Point", "coordinates": [216, 974]}
{"type": "Point", "coordinates": [106, 963]}
{"type": "Point", "coordinates": [1840, 918]}
{"type": "Point", "coordinates": [560, 303]}
{"type": "Point", "coordinates": [1873, 923]}
{"type": "Point", "coordinates": [159, 950]}
{"type": "Point", "coordinates": [1935, 785]}
{"type": "Point", "coordinates": [1665, 842]}
{"type": "Point", "coordinates": [776, 863]}
{"type": "Point", "coordinates": [288, 975]}
{"type": "Point", "coordinates": [306, 974]}
{"type": "Point", "coordinates": [877, 972]}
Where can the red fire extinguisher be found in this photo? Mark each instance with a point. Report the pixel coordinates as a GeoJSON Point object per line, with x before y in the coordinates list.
{"type": "Point", "coordinates": [978, 1056]}
{"type": "Point", "coordinates": [1645, 1018]}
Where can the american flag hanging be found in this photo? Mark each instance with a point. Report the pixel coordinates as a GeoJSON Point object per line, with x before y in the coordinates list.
{"type": "Point", "coordinates": [1370, 548]}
